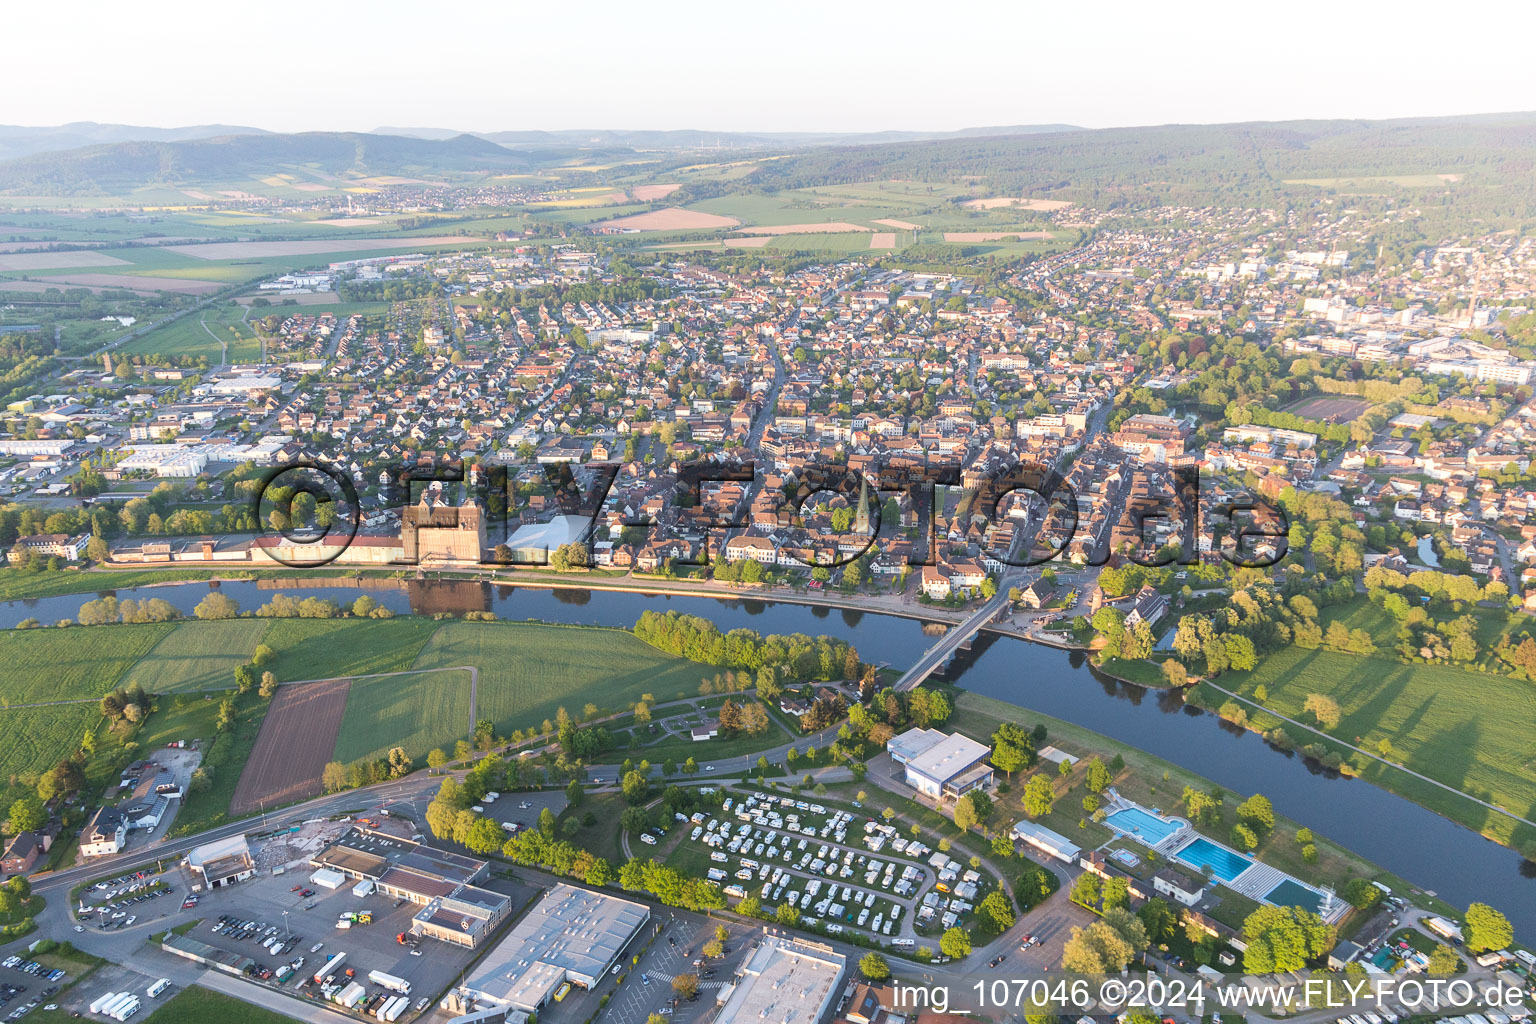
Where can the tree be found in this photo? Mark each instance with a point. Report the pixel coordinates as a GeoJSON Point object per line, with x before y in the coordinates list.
{"type": "Point", "coordinates": [27, 815]}
{"type": "Point", "coordinates": [1097, 778]}
{"type": "Point", "coordinates": [1086, 890]}
{"type": "Point", "coordinates": [965, 815]}
{"type": "Point", "coordinates": [268, 685]}
{"type": "Point", "coordinates": [1323, 708]}
{"type": "Point", "coordinates": [686, 985]}
{"type": "Point", "coordinates": [1158, 918]}
{"type": "Point", "coordinates": [955, 943]}
{"type": "Point", "coordinates": [1097, 949]}
{"type": "Point", "coordinates": [216, 606]}
{"type": "Point", "coordinates": [484, 836]}
{"type": "Point", "coordinates": [436, 758]}
{"type": "Point", "coordinates": [1487, 928]}
{"type": "Point", "coordinates": [1282, 939]}
{"type": "Point", "coordinates": [1257, 813]}
{"type": "Point", "coordinates": [874, 967]}
{"type": "Point", "coordinates": [334, 777]}
{"type": "Point", "coordinates": [1443, 960]}
{"type": "Point", "coordinates": [245, 678]}
{"type": "Point", "coordinates": [634, 787]}
{"type": "Point", "coordinates": [1038, 796]}
{"type": "Point", "coordinates": [998, 908]}
{"type": "Point", "coordinates": [1117, 894]}
{"type": "Point", "coordinates": [400, 764]}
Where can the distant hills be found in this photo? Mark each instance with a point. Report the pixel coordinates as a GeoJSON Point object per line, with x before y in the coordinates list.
{"type": "Point", "coordinates": [693, 139]}
{"type": "Point", "coordinates": [1492, 155]}
{"type": "Point", "coordinates": [89, 158]}
{"type": "Point", "coordinates": [232, 157]}
{"type": "Point", "coordinates": [21, 140]}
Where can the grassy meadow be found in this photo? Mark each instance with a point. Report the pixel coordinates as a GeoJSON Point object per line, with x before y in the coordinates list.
{"type": "Point", "coordinates": [198, 656]}
{"type": "Point", "coordinates": [527, 671]}
{"type": "Point", "coordinates": [418, 711]}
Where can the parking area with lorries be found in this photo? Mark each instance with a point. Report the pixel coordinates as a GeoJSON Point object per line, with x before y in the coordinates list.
{"type": "Point", "coordinates": [289, 936]}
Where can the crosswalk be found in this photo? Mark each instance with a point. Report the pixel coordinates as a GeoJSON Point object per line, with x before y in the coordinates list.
{"type": "Point", "coordinates": [663, 978]}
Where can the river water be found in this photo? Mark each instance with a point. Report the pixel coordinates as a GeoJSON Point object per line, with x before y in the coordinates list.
{"type": "Point", "coordinates": [1415, 843]}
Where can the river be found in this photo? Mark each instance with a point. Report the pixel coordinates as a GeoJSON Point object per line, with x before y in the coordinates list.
{"type": "Point", "coordinates": [1409, 840]}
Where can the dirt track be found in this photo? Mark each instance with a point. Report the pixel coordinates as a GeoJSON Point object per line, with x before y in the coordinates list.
{"type": "Point", "coordinates": [297, 738]}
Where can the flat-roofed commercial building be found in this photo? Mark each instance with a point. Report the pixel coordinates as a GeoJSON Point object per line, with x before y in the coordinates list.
{"type": "Point", "coordinates": [941, 765]}
{"type": "Point", "coordinates": [441, 882]}
{"type": "Point", "coordinates": [572, 935]}
{"type": "Point", "coordinates": [785, 981]}
{"type": "Point", "coordinates": [1046, 841]}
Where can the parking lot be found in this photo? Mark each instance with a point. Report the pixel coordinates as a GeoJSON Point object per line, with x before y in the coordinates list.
{"type": "Point", "coordinates": [124, 901]}
{"type": "Point", "coordinates": [276, 907]}
{"type": "Point", "coordinates": [648, 987]}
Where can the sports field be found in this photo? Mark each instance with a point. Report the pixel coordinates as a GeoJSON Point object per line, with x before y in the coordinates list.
{"type": "Point", "coordinates": [80, 662]}
{"type": "Point", "coordinates": [198, 656]}
{"type": "Point", "coordinates": [417, 711]}
{"type": "Point", "coordinates": [527, 671]}
{"type": "Point", "coordinates": [1330, 408]}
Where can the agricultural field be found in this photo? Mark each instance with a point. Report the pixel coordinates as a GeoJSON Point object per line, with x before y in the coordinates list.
{"type": "Point", "coordinates": [77, 663]}
{"type": "Point", "coordinates": [527, 671]}
{"type": "Point", "coordinates": [417, 711]}
{"type": "Point", "coordinates": [198, 656]}
{"type": "Point", "coordinates": [329, 648]}
{"type": "Point", "coordinates": [200, 334]}
{"type": "Point", "coordinates": [36, 739]}
{"type": "Point", "coordinates": [837, 242]}
{"type": "Point", "coordinates": [294, 743]}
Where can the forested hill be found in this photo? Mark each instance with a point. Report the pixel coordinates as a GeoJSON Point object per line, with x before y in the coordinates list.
{"type": "Point", "coordinates": [1250, 161]}
{"type": "Point", "coordinates": [234, 157]}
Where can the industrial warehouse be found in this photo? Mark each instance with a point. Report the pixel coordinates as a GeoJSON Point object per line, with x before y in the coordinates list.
{"type": "Point", "coordinates": [785, 981]}
{"type": "Point", "coordinates": [571, 936]}
{"type": "Point", "coordinates": [453, 908]}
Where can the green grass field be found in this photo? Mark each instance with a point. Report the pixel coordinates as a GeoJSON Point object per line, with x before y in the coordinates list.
{"type": "Point", "coordinates": [325, 648]}
{"type": "Point", "coordinates": [199, 1005]}
{"type": "Point", "coordinates": [36, 739]}
{"type": "Point", "coordinates": [417, 711]}
{"type": "Point", "coordinates": [198, 656]}
{"type": "Point", "coordinates": [66, 664]}
{"type": "Point", "coordinates": [527, 671]}
{"type": "Point", "coordinates": [1474, 731]}
{"type": "Point", "coordinates": [199, 334]}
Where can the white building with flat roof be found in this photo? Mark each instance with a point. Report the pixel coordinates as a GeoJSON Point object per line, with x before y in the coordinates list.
{"type": "Point", "coordinates": [572, 935]}
{"type": "Point", "coordinates": [941, 765]}
{"type": "Point", "coordinates": [1046, 841]}
{"type": "Point", "coordinates": [785, 981]}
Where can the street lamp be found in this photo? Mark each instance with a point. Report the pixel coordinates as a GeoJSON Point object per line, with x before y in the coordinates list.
{"type": "Point", "coordinates": [288, 932]}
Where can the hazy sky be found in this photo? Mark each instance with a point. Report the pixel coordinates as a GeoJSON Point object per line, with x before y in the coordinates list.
{"type": "Point", "coordinates": [728, 65]}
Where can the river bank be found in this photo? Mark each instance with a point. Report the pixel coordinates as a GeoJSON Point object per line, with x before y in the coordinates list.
{"type": "Point", "coordinates": [1404, 837]}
